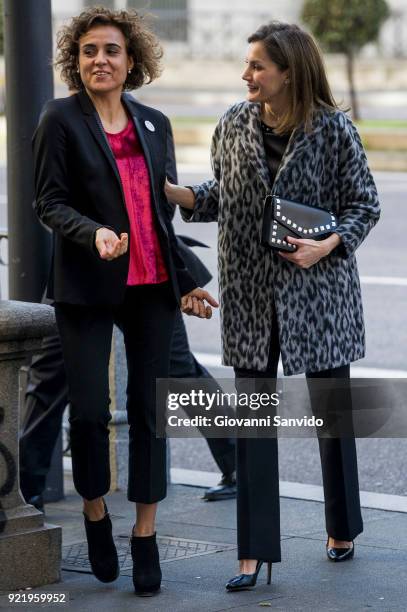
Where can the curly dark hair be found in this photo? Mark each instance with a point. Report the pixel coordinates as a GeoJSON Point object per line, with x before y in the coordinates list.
{"type": "Point", "coordinates": [142, 45]}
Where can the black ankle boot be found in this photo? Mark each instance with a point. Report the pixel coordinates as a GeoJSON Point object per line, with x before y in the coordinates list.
{"type": "Point", "coordinates": [146, 565]}
{"type": "Point", "coordinates": [101, 548]}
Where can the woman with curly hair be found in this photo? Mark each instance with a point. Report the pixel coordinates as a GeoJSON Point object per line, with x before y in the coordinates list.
{"type": "Point", "coordinates": [100, 165]}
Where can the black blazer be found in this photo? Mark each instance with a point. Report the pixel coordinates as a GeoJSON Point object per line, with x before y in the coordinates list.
{"type": "Point", "coordinates": [78, 190]}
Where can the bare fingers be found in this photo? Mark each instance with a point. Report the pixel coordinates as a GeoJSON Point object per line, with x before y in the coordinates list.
{"type": "Point", "coordinates": [194, 306]}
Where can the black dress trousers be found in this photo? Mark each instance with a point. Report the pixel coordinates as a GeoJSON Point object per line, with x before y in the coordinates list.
{"type": "Point", "coordinates": [183, 365]}
{"type": "Point", "coordinates": [47, 397]}
{"type": "Point", "coordinates": [258, 505]}
{"type": "Point", "coordinates": [146, 318]}
{"type": "Point", "coordinates": [45, 402]}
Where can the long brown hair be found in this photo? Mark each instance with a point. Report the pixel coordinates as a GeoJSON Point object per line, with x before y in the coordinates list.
{"type": "Point", "coordinates": [292, 48]}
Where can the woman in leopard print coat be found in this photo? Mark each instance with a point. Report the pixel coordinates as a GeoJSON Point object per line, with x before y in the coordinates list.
{"type": "Point", "coordinates": [305, 305]}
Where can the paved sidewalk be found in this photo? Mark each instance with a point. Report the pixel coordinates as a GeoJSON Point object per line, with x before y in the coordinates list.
{"type": "Point", "coordinates": [202, 537]}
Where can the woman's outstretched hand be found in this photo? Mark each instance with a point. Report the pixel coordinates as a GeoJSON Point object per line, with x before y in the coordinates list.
{"type": "Point", "coordinates": [193, 303]}
{"type": "Point", "coordinates": [183, 196]}
{"type": "Point", "coordinates": [109, 245]}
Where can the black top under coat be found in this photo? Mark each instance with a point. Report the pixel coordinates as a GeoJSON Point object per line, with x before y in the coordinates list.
{"type": "Point", "coordinates": [275, 146]}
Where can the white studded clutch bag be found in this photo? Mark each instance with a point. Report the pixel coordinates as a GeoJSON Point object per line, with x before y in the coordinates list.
{"type": "Point", "coordinates": [282, 218]}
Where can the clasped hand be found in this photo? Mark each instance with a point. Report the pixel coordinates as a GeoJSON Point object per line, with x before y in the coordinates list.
{"type": "Point", "coordinates": [109, 245]}
{"type": "Point", "coordinates": [308, 252]}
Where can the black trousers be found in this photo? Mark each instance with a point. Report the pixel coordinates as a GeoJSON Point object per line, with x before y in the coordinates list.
{"type": "Point", "coordinates": [45, 401]}
{"type": "Point", "coordinates": [183, 365]}
{"type": "Point", "coordinates": [47, 397]}
{"type": "Point", "coordinates": [146, 318]}
{"type": "Point", "coordinates": [258, 506]}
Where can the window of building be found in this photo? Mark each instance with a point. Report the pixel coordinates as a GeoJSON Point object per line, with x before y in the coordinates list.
{"type": "Point", "coordinates": [172, 17]}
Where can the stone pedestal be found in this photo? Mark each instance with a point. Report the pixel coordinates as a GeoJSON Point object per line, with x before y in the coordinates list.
{"type": "Point", "coordinates": [30, 550]}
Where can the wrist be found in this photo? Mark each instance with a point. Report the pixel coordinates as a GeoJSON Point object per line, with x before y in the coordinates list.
{"type": "Point", "coordinates": [186, 197]}
{"type": "Point", "coordinates": [329, 244]}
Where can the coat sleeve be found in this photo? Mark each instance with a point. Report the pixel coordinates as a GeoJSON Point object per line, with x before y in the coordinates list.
{"type": "Point", "coordinates": [359, 203]}
{"type": "Point", "coordinates": [207, 194]}
{"type": "Point", "coordinates": [50, 142]}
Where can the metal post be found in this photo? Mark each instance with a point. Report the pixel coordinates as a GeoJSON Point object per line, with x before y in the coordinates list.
{"type": "Point", "coordinates": [29, 83]}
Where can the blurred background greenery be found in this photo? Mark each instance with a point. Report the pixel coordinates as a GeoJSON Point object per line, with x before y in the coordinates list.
{"type": "Point", "coordinates": [364, 45]}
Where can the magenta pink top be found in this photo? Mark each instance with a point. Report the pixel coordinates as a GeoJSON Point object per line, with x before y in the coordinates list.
{"type": "Point", "coordinates": [146, 261]}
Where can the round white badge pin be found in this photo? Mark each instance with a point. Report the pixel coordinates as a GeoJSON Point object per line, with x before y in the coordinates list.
{"type": "Point", "coordinates": [149, 126]}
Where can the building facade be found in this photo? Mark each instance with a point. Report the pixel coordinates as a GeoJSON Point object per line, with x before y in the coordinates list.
{"type": "Point", "coordinates": [210, 29]}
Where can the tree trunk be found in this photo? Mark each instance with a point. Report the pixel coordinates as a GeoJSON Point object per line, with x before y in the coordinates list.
{"type": "Point", "coordinates": [350, 66]}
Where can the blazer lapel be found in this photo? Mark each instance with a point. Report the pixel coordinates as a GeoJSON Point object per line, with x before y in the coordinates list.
{"type": "Point", "coordinates": [95, 126]}
{"type": "Point", "coordinates": [151, 143]}
{"type": "Point", "coordinates": [146, 137]}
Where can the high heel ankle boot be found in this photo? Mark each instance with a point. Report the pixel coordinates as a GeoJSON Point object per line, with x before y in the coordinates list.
{"type": "Point", "coordinates": [146, 565]}
{"type": "Point", "coordinates": [101, 548]}
{"type": "Point", "coordinates": [244, 582]}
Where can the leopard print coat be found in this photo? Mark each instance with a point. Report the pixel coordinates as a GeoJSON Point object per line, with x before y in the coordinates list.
{"type": "Point", "coordinates": [319, 310]}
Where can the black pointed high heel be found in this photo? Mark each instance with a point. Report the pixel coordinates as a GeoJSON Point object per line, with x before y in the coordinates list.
{"type": "Point", "coordinates": [102, 551]}
{"type": "Point", "coordinates": [244, 582]}
{"type": "Point", "coordinates": [339, 554]}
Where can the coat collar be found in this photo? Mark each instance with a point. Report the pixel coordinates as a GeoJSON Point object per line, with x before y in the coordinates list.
{"type": "Point", "coordinates": [248, 122]}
